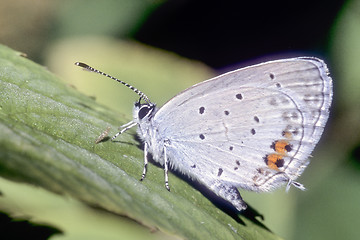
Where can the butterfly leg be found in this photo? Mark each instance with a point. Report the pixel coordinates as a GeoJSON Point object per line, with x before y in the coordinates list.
{"type": "Point", "coordinates": [125, 127]}
{"type": "Point", "coordinates": [145, 161]}
{"type": "Point", "coordinates": [166, 169]}
{"type": "Point", "coordinates": [230, 194]}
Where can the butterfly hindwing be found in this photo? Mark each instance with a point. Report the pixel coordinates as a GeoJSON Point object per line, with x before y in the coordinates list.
{"type": "Point", "coordinates": [254, 128]}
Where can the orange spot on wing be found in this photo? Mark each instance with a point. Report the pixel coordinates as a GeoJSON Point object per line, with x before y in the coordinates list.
{"type": "Point", "coordinates": [274, 161]}
{"type": "Point", "coordinates": [281, 146]}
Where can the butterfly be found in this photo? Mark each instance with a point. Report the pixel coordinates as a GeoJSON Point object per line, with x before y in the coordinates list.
{"type": "Point", "coordinates": [253, 128]}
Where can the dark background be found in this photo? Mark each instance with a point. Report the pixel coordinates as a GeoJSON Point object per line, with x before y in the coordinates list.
{"type": "Point", "coordinates": [222, 33]}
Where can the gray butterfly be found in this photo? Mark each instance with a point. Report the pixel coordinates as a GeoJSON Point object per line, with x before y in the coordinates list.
{"type": "Point", "coordinates": [253, 128]}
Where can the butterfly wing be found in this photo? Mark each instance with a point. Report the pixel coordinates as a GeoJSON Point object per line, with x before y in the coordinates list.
{"type": "Point", "coordinates": [252, 128]}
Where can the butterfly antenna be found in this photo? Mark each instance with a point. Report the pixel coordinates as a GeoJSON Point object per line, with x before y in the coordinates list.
{"type": "Point", "coordinates": [91, 69]}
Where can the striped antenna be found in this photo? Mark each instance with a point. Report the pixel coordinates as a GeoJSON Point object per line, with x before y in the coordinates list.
{"type": "Point", "coordinates": [91, 69]}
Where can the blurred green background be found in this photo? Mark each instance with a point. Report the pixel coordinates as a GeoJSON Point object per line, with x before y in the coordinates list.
{"type": "Point", "coordinates": [163, 47]}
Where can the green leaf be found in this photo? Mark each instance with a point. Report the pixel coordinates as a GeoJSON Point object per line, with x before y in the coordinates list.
{"type": "Point", "coordinates": [48, 132]}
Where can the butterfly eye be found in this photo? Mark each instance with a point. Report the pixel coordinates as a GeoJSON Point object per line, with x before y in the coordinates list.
{"type": "Point", "coordinates": [144, 111]}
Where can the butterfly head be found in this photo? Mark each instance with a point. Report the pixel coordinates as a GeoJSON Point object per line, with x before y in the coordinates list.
{"type": "Point", "coordinates": [143, 112]}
